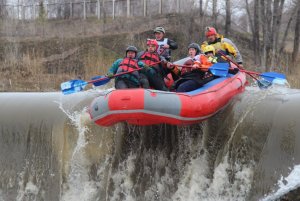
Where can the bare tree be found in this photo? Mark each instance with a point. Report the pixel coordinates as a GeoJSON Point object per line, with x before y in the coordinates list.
{"type": "Point", "coordinates": [277, 15]}
{"type": "Point", "coordinates": [297, 34]}
{"type": "Point", "coordinates": [282, 44]}
{"type": "Point", "coordinates": [2, 9]}
{"type": "Point", "coordinates": [228, 17]}
{"type": "Point", "coordinates": [201, 8]}
{"type": "Point", "coordinates": [271, 13]}
{"type": "Point", "coordinates": [254, 25]}
{"type": "Point", "coordinates": [214, 12]}
{"type": "Point", "coordinates": [256, 29]}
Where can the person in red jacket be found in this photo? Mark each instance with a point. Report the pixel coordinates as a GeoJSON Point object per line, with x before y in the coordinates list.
{"type": "Point", "coordinates": [157, 63]}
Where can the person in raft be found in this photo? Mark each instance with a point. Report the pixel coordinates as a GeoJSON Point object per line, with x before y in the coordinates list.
{"type": "Point", "coordinates": [221, 44]}
{"type": "Point", "coordinates": [210, 53]}
{"type": "Point", "coordinates": [165, 45]}
{"type": "Point", "coordinates": [194, 72]}
{"type": "Point", "coordinates": [194, 51]}
{"type": "Point", "coordinates": [158, 65]}
{"type": "Point", "coordinates": [131, 79]}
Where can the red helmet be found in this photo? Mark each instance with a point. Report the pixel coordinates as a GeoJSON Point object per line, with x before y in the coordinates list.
{"type": "Point", "coordinates": [210, 31]}
{"type": "Point", "coordinates": [152, 42]}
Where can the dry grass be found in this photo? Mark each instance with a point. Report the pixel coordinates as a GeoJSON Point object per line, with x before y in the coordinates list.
{"type": "Point", "coordinates": [28, 69]}
{"type": "Point", "coordinates": [40, 58]}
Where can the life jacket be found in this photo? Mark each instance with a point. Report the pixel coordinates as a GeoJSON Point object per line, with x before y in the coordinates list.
{"type": "Point", "coordinates": [213, 59]}
{"type": "Point", "coordinates": [161, 51]}
{"type": "Point", "coordinates": [129, 64]}
{"type": "Point", "coordinates": [150, 58]}
{"type": "Point", "coordinates": [203, 63]}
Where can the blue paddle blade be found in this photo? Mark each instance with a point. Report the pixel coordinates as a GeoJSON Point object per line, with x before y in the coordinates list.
{"type": "Point", "coordinates": [73, 86]}
{"type": "Point", "coordinates": [263, 84]}
{"type": "Point", "coordinates": [270, 76]}
{"type": "Point", "coordinates": [102, 80]}
{"type": "Point", "coordinates": [219, 69]}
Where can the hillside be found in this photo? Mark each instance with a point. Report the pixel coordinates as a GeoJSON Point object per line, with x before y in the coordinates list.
{"type": "Point", "coordinates": [39, 56]}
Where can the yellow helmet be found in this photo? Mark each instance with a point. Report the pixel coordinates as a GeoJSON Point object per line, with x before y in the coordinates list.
{"type": "Point", "coordinates": [209, 48]}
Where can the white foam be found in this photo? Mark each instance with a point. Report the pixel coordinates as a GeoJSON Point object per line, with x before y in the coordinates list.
{"type": "Point", "coordinates": [197, 186]}
{"type": "Point", "coordinates": [291, 182]}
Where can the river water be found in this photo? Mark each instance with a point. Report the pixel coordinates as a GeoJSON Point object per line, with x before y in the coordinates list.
{"type": "Point", "coordinates": [50, 150]}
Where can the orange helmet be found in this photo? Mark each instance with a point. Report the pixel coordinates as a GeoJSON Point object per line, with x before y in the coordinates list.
{"type": "Point", "coordinates": [152, 42]}
{"type": "Point", "coordinates": [210, 31]}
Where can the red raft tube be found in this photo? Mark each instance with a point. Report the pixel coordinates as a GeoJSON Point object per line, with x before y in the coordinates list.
{"type": "Point", "coordinates": [148, 107]}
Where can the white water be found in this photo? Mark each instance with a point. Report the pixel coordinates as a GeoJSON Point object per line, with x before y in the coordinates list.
{"type": "Point", "coordinates": [114, 177]}
{"type": "Point", "coordinates": [286, 184]}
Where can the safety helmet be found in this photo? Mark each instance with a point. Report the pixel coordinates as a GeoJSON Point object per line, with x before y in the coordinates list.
{"type": "Point", "coordinates": [195, 46]}
{"type": "Point", "coordinates": [131, 48]}
{"type": "Point", "coordinates": [159, 29]}
{"type": "Point", "coordinates": [209, 48]}
{"type": "Point", "coordinates": [152, 42]}
{"type": "Point", "coordinates": [210, 31]}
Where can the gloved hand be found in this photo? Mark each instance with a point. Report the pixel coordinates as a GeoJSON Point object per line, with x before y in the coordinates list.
{"type": "Point", "coordinates": [146, 67]}
{"type": "Point", "coordinates": [109, 75]}
{"type": "Point", "coordinates": [241, 65]}
{"type": "Point", "coordinates": [170, 65]}
{"type": "Point", "coordinates": [234, 71]}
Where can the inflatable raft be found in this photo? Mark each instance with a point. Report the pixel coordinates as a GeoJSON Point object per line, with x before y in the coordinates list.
{"type": "Point", "coordinates": [148, 107]}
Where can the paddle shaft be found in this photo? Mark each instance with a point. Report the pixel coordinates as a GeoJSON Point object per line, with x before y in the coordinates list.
{"type": "Point", "coordinates": [240, 67]}
{"type": "Point", "coordinates": [184, 66]}
{"type": "Point", "coordinates": [119, 74]}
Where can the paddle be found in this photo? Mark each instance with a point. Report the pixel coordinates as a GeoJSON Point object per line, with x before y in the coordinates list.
{"type": "Point", "coordinates": [99, 83]}
{"type": "Point", "coordinates": [217, 69]}
{"type": "Point", "coordinates": [268, 77]}
{"type": "Point", "coordinates": [73, 86]}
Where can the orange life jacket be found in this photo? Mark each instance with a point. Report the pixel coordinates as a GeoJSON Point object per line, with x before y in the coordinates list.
{"type": "Point", "coordinates": [150, 58]}
{"type": "Point", "coordinates": [204, 63]}
{"type": "Point", "coordinates": [129, 64]}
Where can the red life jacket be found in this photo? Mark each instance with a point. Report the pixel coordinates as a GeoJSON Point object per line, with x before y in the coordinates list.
{"type": "Point", "coordinates": [129, 64]}
{"type": "Point", "coordinates": [150, 58]}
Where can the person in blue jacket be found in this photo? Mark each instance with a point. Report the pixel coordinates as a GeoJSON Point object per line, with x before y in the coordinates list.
{"type": "Point", "coordinates": [131, 79]}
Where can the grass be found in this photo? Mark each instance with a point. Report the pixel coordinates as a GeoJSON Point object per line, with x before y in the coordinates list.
{"type": "Point", "coordinates": [88, 48]}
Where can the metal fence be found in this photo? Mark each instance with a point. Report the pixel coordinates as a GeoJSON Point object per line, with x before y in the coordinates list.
{"type": "Point", "coordinates": [96, 9]}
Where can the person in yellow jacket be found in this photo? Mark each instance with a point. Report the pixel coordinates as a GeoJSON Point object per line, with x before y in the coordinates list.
{"type": "Point", "coordinates": [221, 44]}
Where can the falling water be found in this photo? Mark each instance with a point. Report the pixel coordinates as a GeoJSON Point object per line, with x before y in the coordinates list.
{"type": "Point", "coordinates": [50, 150]}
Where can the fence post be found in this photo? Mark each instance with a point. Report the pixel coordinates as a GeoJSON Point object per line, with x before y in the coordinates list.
{"type": "Point", "coordinates": [13, 8]}
{"type": "Point", "coordinates": [160, 7]}
{"type": "Point", "coordinates": [128, 8]}
{"type": "Point", "coordinates": [178, 6]}
{"type": "Point", "coordinates": [113, 10]}
{"type": "Point", "coordinates": [34, 11]}
{"type": "Point", "coordinates": [84, 9]}
{"type": "Point", "coordinates": [145, 8]}
{"type": "Point", "coordinates": [23, 12]}
{"type": "Point", "coordinates": [46, 11]}
{"type": "Point", "coordinates": [71, 10]}
{"type": "Point", "coordinates": [98, 9]}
